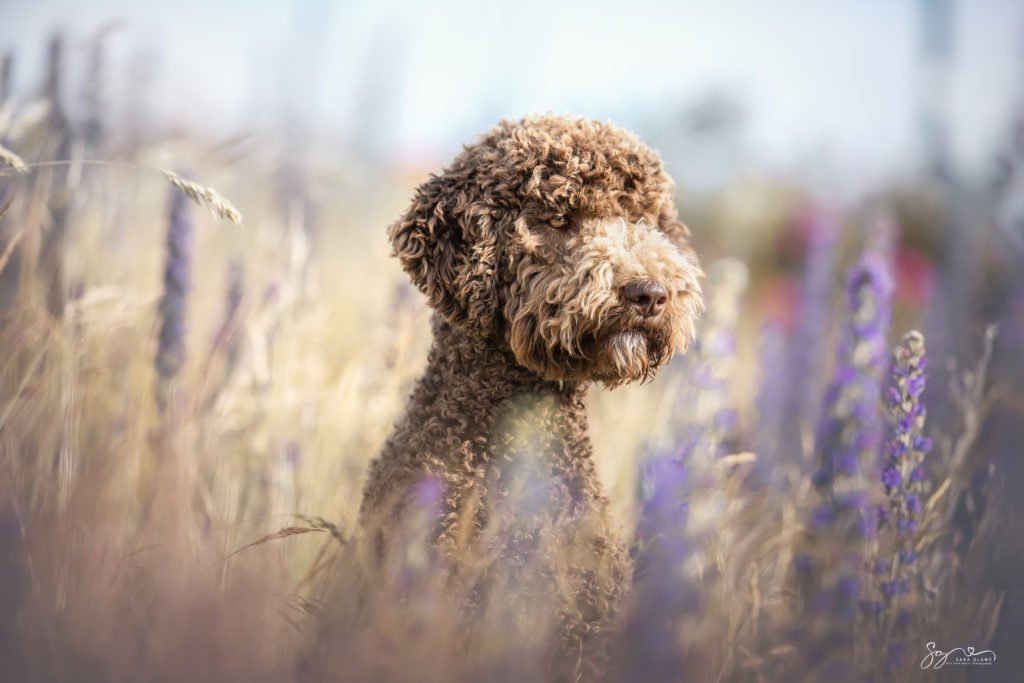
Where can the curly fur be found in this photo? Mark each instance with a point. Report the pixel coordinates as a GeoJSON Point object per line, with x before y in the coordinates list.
{"type": "Point", "coordinates": [523, 247]}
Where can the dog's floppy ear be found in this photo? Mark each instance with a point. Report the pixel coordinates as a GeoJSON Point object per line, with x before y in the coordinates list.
{"type": "Point", "coordinates": [447, 242]}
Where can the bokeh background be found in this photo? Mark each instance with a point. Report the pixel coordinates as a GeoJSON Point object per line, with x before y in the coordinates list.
{"type": "Point", "coordinates": [838, 86]}
{"type": "Point", "coordinates": [800, 136]}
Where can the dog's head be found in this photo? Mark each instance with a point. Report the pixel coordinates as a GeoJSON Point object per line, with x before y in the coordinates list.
{"type": "Point", "coordinates": [559, 238]}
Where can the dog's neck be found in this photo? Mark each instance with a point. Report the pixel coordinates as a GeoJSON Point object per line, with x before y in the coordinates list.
{"type": "Point", "coordinates": [470, 360]}
{"type": "Point", "coordinates": [475, 404]}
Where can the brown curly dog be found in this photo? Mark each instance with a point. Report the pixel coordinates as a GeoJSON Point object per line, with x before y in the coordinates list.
{"type": "Point", "coordinates": [553, 256]}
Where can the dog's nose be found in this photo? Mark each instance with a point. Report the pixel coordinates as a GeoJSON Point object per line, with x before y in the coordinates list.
{"type": "Point", "coordinates": [647, 295]}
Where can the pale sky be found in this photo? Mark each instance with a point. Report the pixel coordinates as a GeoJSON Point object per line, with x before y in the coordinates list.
{"type": "Point", "coordinates": [839, 78]}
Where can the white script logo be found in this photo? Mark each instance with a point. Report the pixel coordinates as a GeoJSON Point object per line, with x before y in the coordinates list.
{"type": "Point", "coordinates": [958, 656]}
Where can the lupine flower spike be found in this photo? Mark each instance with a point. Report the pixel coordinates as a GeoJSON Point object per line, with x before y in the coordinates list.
{"type": "Point", "coordinates": [850, 430]}
{"type": "Point", "coordinates": [903, 478]}
{"type": "Point", "coordinates": [846, 445]}
{"type": "Point", "coordinates": [170, 356]}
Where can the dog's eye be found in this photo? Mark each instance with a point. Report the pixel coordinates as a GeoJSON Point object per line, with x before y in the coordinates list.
{"type": "Point", "coordinates": [558, 221]}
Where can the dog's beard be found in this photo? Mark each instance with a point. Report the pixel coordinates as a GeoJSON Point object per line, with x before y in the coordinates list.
{"type": "Point", "coordinates": [631, 355]}
{"type": "Point", "coordinates": [617, 353]}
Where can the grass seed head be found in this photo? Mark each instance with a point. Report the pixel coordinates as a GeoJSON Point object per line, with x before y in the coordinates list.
{"type": "Point", "coordinates": [207, 197]}
{"type": "Point", "coordinates": [12, 160]}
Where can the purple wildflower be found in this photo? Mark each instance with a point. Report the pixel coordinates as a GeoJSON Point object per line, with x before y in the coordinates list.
{"type": "Point", "coordinates": [660, 529]}
{"type": "Point", "coordinates": [913, 504]}
{"type": "Point", "coordinates": [416, 562]}
{"type": "Point", "coordinates": [847, 441]}
{"type": "Point", "coordinates": [851, 427]}
{"type": "Point", "coordinates": [793, 354]}
{"type": "Point", "coordinates": [891, 477]}
{"type": "Point", "coordinates": [871, 607]}
{"type": "Point", "coordinates": [823, 515]}
{"type": "Point", "coordinates": [894, 655]}
{"type": "Point", "coordinates": [849, 432]}
{"type": "Point", "coordinates": [170, 355]}
{"type": "Point", "coordinates": [712, 428]}
{"type": "Point", "coordinates": [906, 526]}
{"type": "Point", "coordinates": [883, 515]}
{"type": "Point", "coordinates": [903, 475]}
{"type": "Point", "coordinates": [663, 594]}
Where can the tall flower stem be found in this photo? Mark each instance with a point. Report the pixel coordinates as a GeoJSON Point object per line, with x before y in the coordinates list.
{"type": "Point", "coordinates": [903, 474]}
{"type": "Point", "coordinates": [850, 430]}
{"type": "Point", "coordinates": [170, 355]}
{"type": "Point", "coordinates": [847, 443]}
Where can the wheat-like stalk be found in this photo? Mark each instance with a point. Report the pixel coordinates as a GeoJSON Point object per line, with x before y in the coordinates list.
{"type": "Point", "coordinates": [207, 197]}
{"type": "Point", "coordinates": [284, 532]}
{"type": "Point", "coordinates": [5, 255]}
{"type": "Point", "coordinates": [11, 159]}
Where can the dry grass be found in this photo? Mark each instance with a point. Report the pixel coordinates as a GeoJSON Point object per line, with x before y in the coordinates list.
{"type": "Point", "coordinates": [122, 525]}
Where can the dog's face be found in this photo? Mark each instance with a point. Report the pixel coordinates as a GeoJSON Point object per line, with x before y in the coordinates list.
{"type": "Point", "coordinates": [558, 237]}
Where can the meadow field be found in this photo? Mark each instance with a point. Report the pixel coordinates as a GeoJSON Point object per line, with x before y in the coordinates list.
{"type": "Point", "coordinates": [203, 342]}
